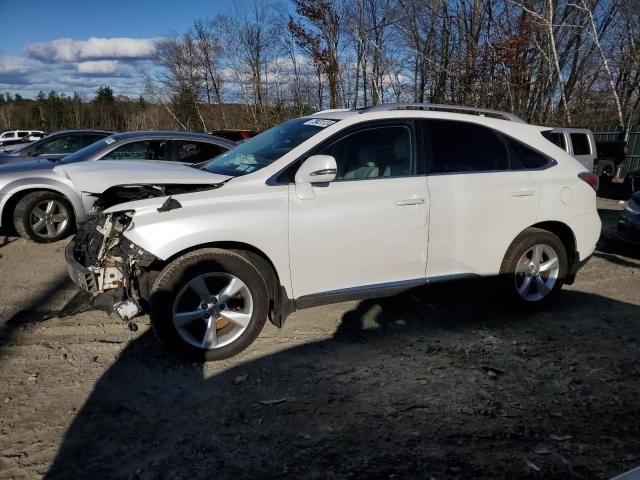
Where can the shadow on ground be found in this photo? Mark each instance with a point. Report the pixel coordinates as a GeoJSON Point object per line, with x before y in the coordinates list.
{"type": "Point", "coordinates": [6, 240]}
{"type": "Point", "coordinates": [436, 382]}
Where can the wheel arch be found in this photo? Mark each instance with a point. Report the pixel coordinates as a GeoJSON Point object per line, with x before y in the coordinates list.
{"type": "Point", "coordinates": [563, 232]}
{"type": "Point", "coordinates": [9, 206]}
{"type": "Point", "coordinates": [280, 305]}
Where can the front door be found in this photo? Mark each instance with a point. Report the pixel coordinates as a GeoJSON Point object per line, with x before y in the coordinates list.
{"type": "Point", "coordinates": [369, 226]}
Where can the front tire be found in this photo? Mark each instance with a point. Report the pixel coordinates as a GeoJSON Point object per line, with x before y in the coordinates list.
{"type": "Point", "coordinates": [534, 268]}
{"type": "Point", "coordinates": [209, 304]}
{"type": "Point", "coordinates": [43, 217]}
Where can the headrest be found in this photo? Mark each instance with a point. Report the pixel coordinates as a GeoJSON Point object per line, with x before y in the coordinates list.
{"type": "Point", "coordinates": [401, 148]}
{"type": "Point", "coordinates": [366, 156]}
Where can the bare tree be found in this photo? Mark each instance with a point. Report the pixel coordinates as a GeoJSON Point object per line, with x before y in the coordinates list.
{"type": "Point", "coordinates": [320, 36]}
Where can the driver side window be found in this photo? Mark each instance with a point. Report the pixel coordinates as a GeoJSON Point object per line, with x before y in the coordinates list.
{"type": "Point", "coordinates": [59, 145]}
{"type": "Point", "coordinates": [144, 150]}
{"type": "Point", "coordinates": [384, 151]}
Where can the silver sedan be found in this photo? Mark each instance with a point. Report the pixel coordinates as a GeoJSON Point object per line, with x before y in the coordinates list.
{"type": "Point", "coordinates": [43, 204]}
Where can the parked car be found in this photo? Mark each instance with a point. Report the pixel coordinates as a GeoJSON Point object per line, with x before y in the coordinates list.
{"type": "Point", "coordinates": [610, 155]}
{"type": "Point", "coordinates": [632, 181]}
{"type": "Point", "coordinates": [578, 142]}
{"type": "Point", "coordinates": [10, 137]}
{"type": "Point", "coordinates": [629, 220]}
{"type": "Point", "coordinates": [235, 134]}
{"type": "Point", "coordinates": [339, 206]}
{"type": "Point", "coordinates": [601, 157]}
{"type": "Point", "coordinates": [44, 201]}
{"type": "Point", "coordinates": [54, 146]}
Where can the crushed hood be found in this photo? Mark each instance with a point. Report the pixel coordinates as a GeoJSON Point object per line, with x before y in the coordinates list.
{"type": "Point", "coordinates": [98, 176]}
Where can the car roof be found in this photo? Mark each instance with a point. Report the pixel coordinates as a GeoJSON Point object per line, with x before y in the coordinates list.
{"type": "Point", "coordinates": [120, 137]}
{"type": "Point", "coordinates": [81, 130]}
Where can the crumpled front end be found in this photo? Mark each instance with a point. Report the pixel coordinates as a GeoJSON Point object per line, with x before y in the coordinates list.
{"type": "Point", "coordinates": [107, 266]}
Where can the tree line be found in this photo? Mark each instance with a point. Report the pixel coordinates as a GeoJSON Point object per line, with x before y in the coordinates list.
{"type": "Point", "coordinates": [561, 62]}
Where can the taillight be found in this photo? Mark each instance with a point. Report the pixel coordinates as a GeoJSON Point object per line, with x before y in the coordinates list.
{"type": "Point", "coordinates": [590, 178]}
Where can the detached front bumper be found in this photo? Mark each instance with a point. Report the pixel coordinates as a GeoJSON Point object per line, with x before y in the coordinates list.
{"type": "Point", "coordinates": [79, 274]}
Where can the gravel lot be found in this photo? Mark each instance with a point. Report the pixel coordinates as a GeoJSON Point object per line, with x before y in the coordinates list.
{"type": "Point", "coordinates": [434, 383]}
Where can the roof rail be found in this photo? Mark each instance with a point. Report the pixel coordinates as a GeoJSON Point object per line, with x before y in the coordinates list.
{"type": "Point", "coordinates": [330, 110]}
{"type": "Point", "coordinates": [385, 107]}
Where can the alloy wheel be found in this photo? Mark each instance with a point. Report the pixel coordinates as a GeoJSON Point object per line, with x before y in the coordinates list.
{"type": "Point", "coordinates": [537, 272]}
{"type": "Point", "coordinates": [212, 310]}
{"type": "Point", "coordinates": [48, 219]}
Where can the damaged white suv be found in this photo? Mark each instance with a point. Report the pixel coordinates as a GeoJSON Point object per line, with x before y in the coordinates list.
{"type": "Point", "coordinates": [336, 206]}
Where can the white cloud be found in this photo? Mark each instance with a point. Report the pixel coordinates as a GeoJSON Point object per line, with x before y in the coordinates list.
{"type": "Point", "coordinates": [15, 65]}
{"type": "Point", "coordinates": [69, 50]}
{"type": "Point", "coordinates": [97, 66]}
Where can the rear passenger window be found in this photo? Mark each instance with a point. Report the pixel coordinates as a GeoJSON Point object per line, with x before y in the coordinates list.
{"type": "Point", "coordinates": [142, 150]}
{"type": "Point", "coordinates": [89, 139]}
{"type": "Point", "coordinates": [465, 147]}
{"type": "Point", "coordinates": [580, 142]}
{"type": "Point", "coordinates": [525, 157]}
{"type": "Point", "coordinates": [193, 152]}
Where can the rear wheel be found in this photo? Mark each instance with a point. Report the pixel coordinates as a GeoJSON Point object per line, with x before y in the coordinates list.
{"type": "Point", "coordinates": [44, 217]}
{"type": "Point", "coordinates": [606, 171]}
{"type": "Point", "coordinates": [209, 304]}
{"type": "Point", "coordinates": [534, 268]}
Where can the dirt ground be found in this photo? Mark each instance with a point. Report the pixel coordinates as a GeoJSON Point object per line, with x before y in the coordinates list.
{"type": "Point", "coordinates": [436, 383]}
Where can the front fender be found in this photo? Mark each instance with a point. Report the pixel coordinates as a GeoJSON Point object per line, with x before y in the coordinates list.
{"type": "Point", "coordinates": [257, 219]}
{"type": "Point", "coordinates": [20, 185]}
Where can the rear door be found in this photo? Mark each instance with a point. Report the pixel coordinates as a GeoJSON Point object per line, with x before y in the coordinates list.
{"type": "Point", "coordinates": [478, 202]}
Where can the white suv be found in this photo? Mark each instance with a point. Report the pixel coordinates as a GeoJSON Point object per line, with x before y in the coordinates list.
{"type": "Point", "coordinates": [336, 206]}
{"type": "Point", "coordinates": [9, 137]}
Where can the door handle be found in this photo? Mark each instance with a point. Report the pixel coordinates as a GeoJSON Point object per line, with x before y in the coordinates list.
{"type": "Point", "coordinates": [410, 201]}
{"type": "Point", "coordinates": [523, 193]}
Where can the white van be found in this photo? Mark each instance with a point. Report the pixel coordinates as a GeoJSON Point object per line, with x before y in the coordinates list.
{"type": "Point", "coordinates": [578, 142]}
{"type": "Point", "coordinates": [14, 136]}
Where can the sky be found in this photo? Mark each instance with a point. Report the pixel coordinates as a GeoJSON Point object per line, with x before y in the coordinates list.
{"type": "Point", "coordinates": [73, 45]}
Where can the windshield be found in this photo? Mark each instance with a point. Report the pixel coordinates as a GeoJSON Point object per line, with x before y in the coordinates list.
{"type": "Point", "coordinates": [87, 152]}
{"type": "Point", "coordinates": [267, 147]}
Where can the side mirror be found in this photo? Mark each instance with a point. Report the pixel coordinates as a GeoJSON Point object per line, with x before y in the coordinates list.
{"type": "Point", "coordinates": [317, 169]}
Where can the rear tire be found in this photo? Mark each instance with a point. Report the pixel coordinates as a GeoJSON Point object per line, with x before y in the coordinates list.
{"type": "Point", "coordinates": [193, 316]}
{"type": "Point", "coordinates": [534, 268]}
{"type": "Point", "coordinates": [44, 217]}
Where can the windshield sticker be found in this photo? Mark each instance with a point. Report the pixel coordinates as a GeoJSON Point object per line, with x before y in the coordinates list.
{"type": "Point", "coordinates": [320, 122]}
{"type": "Point", "coordinates": [109, 140]}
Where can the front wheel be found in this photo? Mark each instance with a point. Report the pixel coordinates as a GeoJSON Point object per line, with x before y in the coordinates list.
{"type": "Point", "coordinates": [44, 217]}
{"type": "Point", "coordinates": [209, 304]}
{"type": "Point", "coordinates": [534, 268]}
